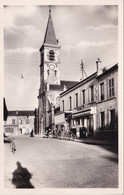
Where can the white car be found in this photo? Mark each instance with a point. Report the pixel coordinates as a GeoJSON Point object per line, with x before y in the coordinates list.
{"type": "Point", "coordinates": [44, 135]}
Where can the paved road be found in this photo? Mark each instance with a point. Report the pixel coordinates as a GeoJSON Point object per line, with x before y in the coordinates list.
{"type": "Point", "coordinates": [62, 164]}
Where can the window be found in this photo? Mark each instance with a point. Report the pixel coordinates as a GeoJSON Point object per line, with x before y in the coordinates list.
{"type": "Point", "coordinates": [51, 55]}
{"type": "Point", "coordinates": [70, 103]}
{"type": "Point", "coordinates": [112, 119]}
{"type": "Point", "coordinates": [27, 121]}
{"type": "Point", "coordinates": [62, 105]}
{"type": "Point", "coordinates": [83, 94]}
{"type": "Point", "coordinates": [102, 120]}
{"type": "Point", "coordinates": [13, 121]}
{"type": "Point", "coordinates": [48, 72]}
{"type": "Point", "coordinates": [77, 121]}
{"type": "Point", "coordinates": [8, 130]}
{"type": "Point", "coordinates": [55, 72]}
{"type": "Point", "coordinates": [76, 100]}
{"type": "Point", "coordinates": [111, 87]}
{"type": "Point", "coordinates": [20, 121]}
{"type": "Point", "coordinates": [102, 91]}
{"type": "Point", "coordinates": [92, 93]}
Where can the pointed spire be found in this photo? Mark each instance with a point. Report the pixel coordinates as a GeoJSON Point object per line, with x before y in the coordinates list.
{"type": "Point", "coordinates": [49, 9]}
{"type": "Point", "coordinates": [50, 37]}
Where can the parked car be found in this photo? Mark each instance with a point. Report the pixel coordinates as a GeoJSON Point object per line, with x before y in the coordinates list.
{"type": "Point", "coordinates": [51, 135]}
{"type": "Point", "coordinates": [6, 139]}
{"type": "Point", "coordinates": [44, 135]}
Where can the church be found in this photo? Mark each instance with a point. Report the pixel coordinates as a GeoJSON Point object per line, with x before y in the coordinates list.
{"type": "Point", "coordinates": [50, 84]}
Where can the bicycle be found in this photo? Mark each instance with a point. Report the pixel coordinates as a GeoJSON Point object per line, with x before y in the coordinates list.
{"type": "Point", "coordinates": [73, 136]}
{"type": "Point", "coordinates": [12, 145]}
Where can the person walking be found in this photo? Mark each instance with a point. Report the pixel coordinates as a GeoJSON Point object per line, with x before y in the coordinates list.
{"type": "Point", "coordinates": [77, 131]}
{"type": "Point", "coordinates": [31, 134]}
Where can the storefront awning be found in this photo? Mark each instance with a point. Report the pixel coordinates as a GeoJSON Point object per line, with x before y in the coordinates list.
{"type": "Point", "coordinates": [81, 113]}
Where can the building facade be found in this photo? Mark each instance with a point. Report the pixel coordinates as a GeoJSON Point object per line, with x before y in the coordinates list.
{"type": "Point", "coordinates": [107, 103]}
{"type": "Point", "coordinates": [19, 123]}
{"type": "Point", "coordinates": [91, 105]}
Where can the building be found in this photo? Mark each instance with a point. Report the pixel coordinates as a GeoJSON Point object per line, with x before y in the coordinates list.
{"type": "Point", "coordinates": [91, 105]}
{"type": "Point", "coordinates": [5, 111]}
{"type": "Point", "coordinates": [107, 103]}
{"type": "Point", "coordinates": [78, 103]}
{"type": "Point", "coordinates": [36, 124]}
{"type": "Point", "coordinates": [50, 84]}
{"type": "Point", "coordinates": [19, 122]}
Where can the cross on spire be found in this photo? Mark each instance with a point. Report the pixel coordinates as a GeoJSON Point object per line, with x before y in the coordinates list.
{"type": "Point", "coordinates": [49, 9]}
{"type": "Point", "coordinates": [50, 37]}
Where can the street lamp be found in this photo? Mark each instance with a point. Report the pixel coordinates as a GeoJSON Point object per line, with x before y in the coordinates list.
{"type": "Point", "coordinates": [17, 121]}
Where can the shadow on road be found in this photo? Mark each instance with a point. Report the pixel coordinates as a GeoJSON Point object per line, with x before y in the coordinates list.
{"type": "Point", "coordinates": [114, 159]}
{"type": "Point", "coordinates": [111, 148]}
{"type": "Point", "coordinates": [21, 177]}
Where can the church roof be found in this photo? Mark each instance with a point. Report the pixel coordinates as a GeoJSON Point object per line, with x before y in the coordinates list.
{"type": "Point", "coordinates": [66, 84]}
{"type": "Point", "coordinates": [50, 37]}
{"type": "Point", "coordinates": [21, 113]}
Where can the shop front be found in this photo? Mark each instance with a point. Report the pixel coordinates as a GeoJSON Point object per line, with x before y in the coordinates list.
{"type": "Point", "coordinates": [84, 122]}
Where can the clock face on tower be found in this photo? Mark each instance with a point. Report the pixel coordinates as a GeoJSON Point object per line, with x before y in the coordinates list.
{"type": "Point", "coordinates": [51, 66]}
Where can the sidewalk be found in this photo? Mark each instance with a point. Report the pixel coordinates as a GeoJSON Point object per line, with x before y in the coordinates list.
{"type": "Point", "coordinates": [96, 141]}
{"type": "Point", "coordinates": [86, 140]}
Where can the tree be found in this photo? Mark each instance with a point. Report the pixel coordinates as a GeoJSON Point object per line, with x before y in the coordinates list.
{"type": "Point", "coordinates": [5, 111]}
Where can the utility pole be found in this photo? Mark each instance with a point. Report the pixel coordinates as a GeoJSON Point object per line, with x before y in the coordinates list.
{"type": "Point", "coordinates": [17, 114]}
{"type": "Point", "coordinates": [82, 70]}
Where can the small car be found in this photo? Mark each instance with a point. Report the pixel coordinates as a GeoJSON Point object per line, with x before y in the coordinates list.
{"type": "Point", "coordinates": [44, 135]}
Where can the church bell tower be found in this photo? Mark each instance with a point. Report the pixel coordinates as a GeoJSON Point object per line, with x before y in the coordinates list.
{"type": "Point", "coordinates": [49, 71]}
{"type": "Point", "coordinates": [49, 51]}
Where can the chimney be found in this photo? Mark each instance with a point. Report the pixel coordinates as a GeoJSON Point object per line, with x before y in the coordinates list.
{"type": "Point", "coordinates": [64, 88]}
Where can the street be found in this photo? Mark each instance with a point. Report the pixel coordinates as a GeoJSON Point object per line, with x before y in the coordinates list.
{"type": "Point", "coordinates": [61, 164]}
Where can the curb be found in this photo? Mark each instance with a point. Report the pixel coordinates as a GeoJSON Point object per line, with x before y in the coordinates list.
{"type": "Point", "coordinates": [94, 142]}
{"type": "Point", "coordinates": [89, 142]}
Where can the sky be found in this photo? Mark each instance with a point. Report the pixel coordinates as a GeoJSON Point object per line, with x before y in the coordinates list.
{"type": "Point", "coordinates": [85, 33]}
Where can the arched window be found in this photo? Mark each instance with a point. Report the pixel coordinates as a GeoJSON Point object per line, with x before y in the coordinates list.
{"type": "Point", "coordinates": [55, 72]}
{"type": "Point", "coordinates": [51, 55]}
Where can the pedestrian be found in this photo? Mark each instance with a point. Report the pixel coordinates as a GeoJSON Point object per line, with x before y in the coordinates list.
{"type": "Point", "coordinates": [77, 131]}
{"type": "Point", "coordinates": [31, 134]}
{"type": "Point", "coordinates": [47, 133]}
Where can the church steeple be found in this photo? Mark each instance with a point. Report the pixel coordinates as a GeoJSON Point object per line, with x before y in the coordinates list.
{"type": "Point", "coordinates": [49, 74]}
{"type": "Point", "coordinates": [50, 61]}
{"type": "Point", "coordinates": [50, 37]}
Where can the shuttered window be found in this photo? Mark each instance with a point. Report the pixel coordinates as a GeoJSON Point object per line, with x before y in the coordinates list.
{"type": "Point", "coordinates": [111, 87]}
{"type": "Point", "coordinates": [102, 91]}
{"type": "Point", "coordinates": [13, 121]}
{"type": "Point", "coordinates": [51, 55]}
{"type": "Point", "coordinates": [70, 103]}
{"type": "Point", "coordinates": [83, 94]}
{"type": "Point", "coordinates": [92, 93]}
{"type": "Point", "coordinates": [76, 100]}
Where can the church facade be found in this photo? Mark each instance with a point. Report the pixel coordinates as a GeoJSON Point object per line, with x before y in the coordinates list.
{"type": "Point", "coordinates": [50, 84]}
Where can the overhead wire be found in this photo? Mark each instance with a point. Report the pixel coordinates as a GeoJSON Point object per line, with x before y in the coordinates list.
{"type": "Point", "coordinates": [15, 107]}
{"type": "Point", "coordinates": [36, 62]}
{"type": "Point", "coordinates": [101, 53]}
